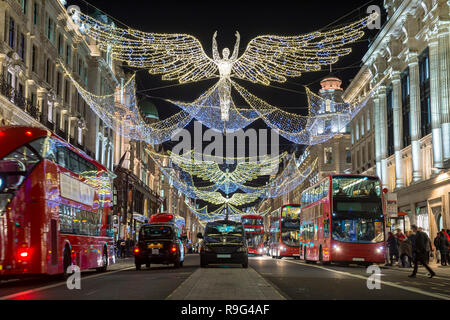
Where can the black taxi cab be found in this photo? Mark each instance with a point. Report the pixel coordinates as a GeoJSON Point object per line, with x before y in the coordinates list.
{"type": "Point", "coordinates": [159, 243]}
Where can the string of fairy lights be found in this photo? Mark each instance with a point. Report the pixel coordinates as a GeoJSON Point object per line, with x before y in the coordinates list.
{"type": "Point", "coordinates": [266, 59]}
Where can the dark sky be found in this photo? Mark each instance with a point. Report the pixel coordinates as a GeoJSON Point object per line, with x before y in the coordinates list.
{"type": "Point", "coordinates": [250, 18]}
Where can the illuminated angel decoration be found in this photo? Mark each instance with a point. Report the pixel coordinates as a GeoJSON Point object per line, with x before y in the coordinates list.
{"type": "Point", "coordinates": [266, 59]}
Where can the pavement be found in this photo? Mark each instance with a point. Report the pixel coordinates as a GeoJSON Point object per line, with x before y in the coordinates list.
{"type": "Point", "coordinates": [441, 271]}
{"type": "Point", "coordinates": [219, 283]}
{"type": "Point", "coordinates": [265, 279]}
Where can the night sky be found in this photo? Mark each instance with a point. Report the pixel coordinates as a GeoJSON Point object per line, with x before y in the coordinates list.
{"type": "Point", "coordinates": [250, 18]}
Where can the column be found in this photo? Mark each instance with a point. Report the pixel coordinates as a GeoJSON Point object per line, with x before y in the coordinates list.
{"type": "Point", "coordinates": [383, 134]}
{"type": "Point", "coordinates": [414, 96]}
{"type": "Point", "coordinates": [444, 69]}
{"type": "Point", "coordinates": [397, 117]}
{"type": "Point", "coordinates": [376, 112]}
{"type": "Point", "coordinates": [435, 104]}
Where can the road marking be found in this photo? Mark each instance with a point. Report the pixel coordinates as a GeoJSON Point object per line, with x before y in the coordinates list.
{"type": "Point", "coordinates": [388, 283]}
{"type": "Point", "coordinates": [15, 295]}
{"type": "Point", "coordinates": [419, 274]}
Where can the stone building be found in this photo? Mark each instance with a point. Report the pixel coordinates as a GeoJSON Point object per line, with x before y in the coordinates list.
{"type": "Point", "coordinates": [137, 185]}
{"type": "Point", "coordinates": [408, 64]}
{"type": "Point", "coordinates": [37, 37]}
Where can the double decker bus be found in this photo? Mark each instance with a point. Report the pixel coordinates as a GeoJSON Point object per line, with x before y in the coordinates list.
{"type": "Point", "coordinates": [284, 232]}
{"type": "Point", "coordinates": [254, 233]}
{"type": "Point", "coordinates": [55, 206]}
{"type": "Point", "coordinates": [342, 220]}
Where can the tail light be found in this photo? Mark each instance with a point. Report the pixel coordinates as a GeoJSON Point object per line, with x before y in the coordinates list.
{"type": "Point", "coordinates": [136, 250]}
{"type": "Point", "coordinates": [23, 254]}
{"type": "Point", "coordinates": [174, 249]}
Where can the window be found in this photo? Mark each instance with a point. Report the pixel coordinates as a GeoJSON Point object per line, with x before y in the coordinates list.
{"type": "Point", "coordinates": [348, 155]}
{"type": "Point", "coordinates": [68, 55]}
{"type": "Point", "coordinates": [48, 71]}
{"type": "Point", "coordinates": [35, 13]}
{"type": "Point", "coordinates": [58, 84]}
{"type": "Point", "coordinates": [22, 52]}
{"type": "Point", "coordinates": [24, 6]}
{"type": "Point", "coordinates": [34, 59]}
{"type": "Point", "coordinates": [328, 153]}
{"type": "Point", "coordinates": [390, 121]}
{"type": "Point", "coordinates": [12, 33]}
{"type": "Point", "coordinates": [50, 30]}
{"type": "Point", "coordinates": [76, 221]}
{"type": "Point", "coordinates": [60, 45]}
{"type": "Point", "coordinates": [368, 121]}
{"type": "Point", "coordinates": [425, 102]}
{"type": "Point", "coordinates": [50, 112]}
{"type": "Point", "coordinates": [67, 91]}
{"type": "Point", "coordinates": [406, 108]}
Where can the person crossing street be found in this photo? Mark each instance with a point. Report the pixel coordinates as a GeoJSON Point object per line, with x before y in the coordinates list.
{"type": "Point", "coordinates": [420, 248]}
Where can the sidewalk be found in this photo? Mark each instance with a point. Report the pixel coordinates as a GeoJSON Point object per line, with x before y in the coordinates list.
{"type": "Point", "coordinates": [121, 263]}
{"type": "Point", "coordinates": [440, 270]}
{"type": "Point", "coordinates": [224, 284]}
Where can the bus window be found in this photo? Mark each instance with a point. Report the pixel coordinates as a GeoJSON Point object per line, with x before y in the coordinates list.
{"type": "Point", "coordinates": [326, 228]}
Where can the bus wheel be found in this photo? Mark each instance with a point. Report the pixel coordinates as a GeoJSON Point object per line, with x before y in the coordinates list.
{"type": "Point", "coordinates": [67, 261]}
{"type": "Point", "coordinates": [104, 261]}
{"type": "Point", "coordinates": [138, 266]}
{"type": "Point", "coordinates": [147, 265]}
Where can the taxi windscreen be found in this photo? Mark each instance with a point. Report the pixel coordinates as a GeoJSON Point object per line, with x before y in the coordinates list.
{"type": "Point", "coordinates": [156, 232]}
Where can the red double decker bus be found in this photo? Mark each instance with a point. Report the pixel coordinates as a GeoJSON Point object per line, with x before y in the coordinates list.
{"type": "Point", "coordinates": [284, 232]}
{"type": "Point", "coordinates": [342, 220]}
{"type": "Point", "coordinates": [55, 206]}
{"type": "Point", "coordinates": [254, 233]}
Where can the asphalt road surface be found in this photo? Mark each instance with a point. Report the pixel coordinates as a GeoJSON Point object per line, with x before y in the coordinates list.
{"type": "Point", "coordinates": [289, 278]}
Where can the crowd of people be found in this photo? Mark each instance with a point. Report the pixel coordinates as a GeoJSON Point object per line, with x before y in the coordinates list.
{"type": "Point", "coordinates": [416, 248]}
{"type": "Point", "coordinates": [124, 248]}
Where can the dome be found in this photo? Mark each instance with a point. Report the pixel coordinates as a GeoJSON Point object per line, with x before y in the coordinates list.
{"type": "Point", "coordinates": [331, 83]}
{"type": "Point", "coordinates": [148, 109]}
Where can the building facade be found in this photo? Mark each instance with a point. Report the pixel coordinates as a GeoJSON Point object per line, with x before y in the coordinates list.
{"type": "Point", "coordinates": [408, 65]}
{"type": "Point", "coordinates": [37, 37]}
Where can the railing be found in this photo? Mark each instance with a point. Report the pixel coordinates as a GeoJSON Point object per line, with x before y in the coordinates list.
{"type": "Point", "coordinates": [18, 99]}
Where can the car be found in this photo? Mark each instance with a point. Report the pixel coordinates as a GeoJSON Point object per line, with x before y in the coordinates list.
{"type": "Point", "coordinates": [159, 243]}
{"type": "Point", "coordinates": [223, 243]}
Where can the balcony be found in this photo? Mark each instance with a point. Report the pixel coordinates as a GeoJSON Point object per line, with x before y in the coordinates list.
{"type": "Point", "coordinates": [17, 99]}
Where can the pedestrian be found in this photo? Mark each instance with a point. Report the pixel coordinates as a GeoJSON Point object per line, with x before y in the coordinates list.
{"type": "Point", "coordinates": [429, 247]}
{"type": "Point", "coordinates": [122, 248]}
{"type": "Point", "coordinates": [399, 235]}
{"type": "Point", "coordinates": [412, 239]}
{"type": "Point", "coordinates": [393, 248]}
{"type": "Point", "coordinates": [443, 244]}
{"type": "Point", "coordinates": [405, 250]}
{"type": "Point", "coordinates": [437, 246]}
{"type": "Point", "coordinates": [420, 246]}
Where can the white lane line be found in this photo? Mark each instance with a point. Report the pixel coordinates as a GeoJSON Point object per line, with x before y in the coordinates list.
{"type": "Point", "coordinates": [18, 294]}
{"type": "Point", "coordinates": [419, 274]}
{"type": "Point", "coordinates": [388, 283]}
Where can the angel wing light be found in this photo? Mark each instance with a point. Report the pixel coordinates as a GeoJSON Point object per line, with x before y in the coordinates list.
{"type": "Point", "coordinates": [266, 59]}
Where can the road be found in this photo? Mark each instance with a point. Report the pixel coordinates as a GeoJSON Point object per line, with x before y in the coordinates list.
{"type": "Point", "coordinates": [273, 279]}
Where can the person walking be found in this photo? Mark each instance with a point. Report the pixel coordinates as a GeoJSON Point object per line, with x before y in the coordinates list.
{"type": "Point", "coordinates": [443, 244]}
{"type": "Point", "coordinates": [393, 248]}
{"type": "Point", "coordinates": [437, 246]}
{"type": "Point", "coordinates": [405, 250]}
{"type": "Point", "coordinates": [420, 248]}
{"type": "Point", "coordinates": [122, 246]}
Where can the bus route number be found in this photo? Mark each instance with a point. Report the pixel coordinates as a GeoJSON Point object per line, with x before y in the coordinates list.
{"type": "Point", "coordinates": [246, 309]}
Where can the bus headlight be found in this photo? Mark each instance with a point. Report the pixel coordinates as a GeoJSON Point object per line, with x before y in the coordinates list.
{"type": "Point", "coordinates": [282, 248]}
{"type": "Point", "coordinates": [337, 248]}
{"type": "Point", "coordinates": [380, 249]}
